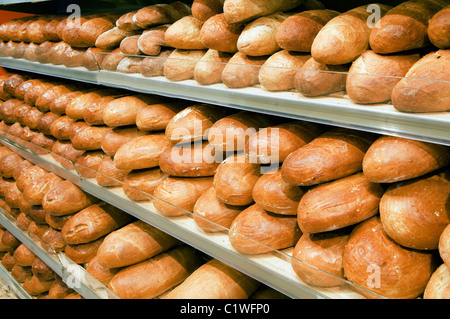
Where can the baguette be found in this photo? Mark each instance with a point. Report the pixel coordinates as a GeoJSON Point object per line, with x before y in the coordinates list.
{"type": "Point", "coordinates": [161, 14]}
{"type": "Point", "coordinates": [219, 35]}
{"type": "Point", "coordinates": [439, 29]}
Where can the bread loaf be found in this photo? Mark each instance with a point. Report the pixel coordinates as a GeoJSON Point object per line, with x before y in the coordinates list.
{"type": "Point", "coordinates": [234, 180]}
{"type": "Point", "coordinates": [404, 27]}
{"type": "Point", "coordinates": [325, 251]}
{"type": "Point", "coordinates": [83, 253]}
{"type": "Point", "coordinates": [415, 213]}
{"type": "Point", "coordinates": [344, 37]}
{"type": "Point", "coordinates": [93, 28]}
{"type": "Point", "coordinates": [372, 76]}
{"type": "Point", "coordinates": [24, 256]}
{"type": "Point", "coordinates": [338, 204]}
{"type": "Point", "coordinates": [12, 196]}
{"type": "Point", "coordinates": [117, 137]}
{"type": "Point", "coordinates": [65, 198]}
{"type": "Point", "coordinates": [129, 45]}
{"type": "Point", "coordinates": [28, 176]}
{"type": "Point", "coordinates": [297, 32]}
{"type": "Point", "coordinates": [70, 32]}
{"type": "Point", "coordinates": [242, 70]}
{"type": "Point", "coordinates": [444, 245]}
{"type": "Point", "coordinates": [214, 280]}
{"type": "Point", "coordinates": [185, 34]}
{"type": "Point", "coordinates": [92, 223]}
{"type": "Point", "coordinates": [438, 287]}
{"type": "Point", "coordinates": [274, 195]}
{"type": "Point", "coordinates": [139, 185]}
{"type": "Point", "coordinates": [176, 196]}
{"type": "Point", "coordinates": [56, 222]}
{"type": "Point", "coordinates": [44, 52]}
{"type": "Point", "coordinates": [133, 243]}
{"type": "Point", "coordinates": [160, 14]}
{"type": "Point", "coordinates": [204, 9]}
{"type": "Point", "coordinates": [59, 290]}
{"type": "Point", "coordinates": [35, 192]}
{"type": "Point", "coordinates": [9, 241]}
{"type": "Point", "coordinates": [212, 215]}
{"type": "Point", "coordinates": [108, 175]}
{"type": "Point", "coordinates": [93, 58]}
{"type": "Point", "coordinates": [152, 277]}
{"type": "Point", "coordinates": [255, 231]}
{"type": "Point", "coordinates": [243, 11]}
{"type": "Point", "coordinates": [369, 248]}
{"type": "Point", "coordinates": [130, 64]}
{"type": "Point", "coordinates": [217, 34]}
{"type": "Point", "coordinates": [34, 286]}
{"type": "Point", "coordinates": [155, 117]}
{"type": "Point", "coordinates": [21, 273]}
{"type": "Point", "coordinates": [60, 127]}
{"type": "Point", "coordinates": [8, 261]}
{"type": "Point", "coordinates": [102, 274]}
{"type": "Point", "coordinates": [439, 29]}
{"type": "Point", "coordinates": [112, 60]}
{"type": "Point", "coordinates": [151, 40]}
{"type": "Point", "coordinates": [152, 66]}
{"type": "Point", "coordinates": [192, 123]}
{"type": "Point", "coordinates": [49, 29]}
{"type": "Point", "coordinates": [58, 104]}
{"type": "Point", "coordinates": [125, 22]}
{"type": "Point", "coordinates": [19, 169]}
{"type": "Point", "coordinates": [391, 159]}
{"type": "Point", "coordinates": [44, 100]}
{"type": "Point", "coordinates": [210, 67]}
{"type": "Point", "coordinates": [8, 163]}
{"type": "Point", "coordinates": [93, 114]}
{"type": "Point", "coordinates": [7, 110]}
{"type": "Point", "coordinates": [77, 106]}
{"type": "Point", "coordinates": [279, 71]}
{"type": "Point", "coordinates": [111, 38]}
{"type": "Point", "coordinates": [87, 164]}
{"type": "Point", "coordinates": [141, 152]}
{"type": "Point", "coordinates": [11, 83]}
{"type": "Point", "coordinates": [90, 138]}
{"type": "Point", "coordinates": [180, 64]}
{"type": "Point", "coordinates": [424, 85]}
{"type": "Point", "coordinates": [190, 160]}
{"type": "Point", "coordinates": [53, 238]}
{"type": "Point", "coordinates": [42, 271]}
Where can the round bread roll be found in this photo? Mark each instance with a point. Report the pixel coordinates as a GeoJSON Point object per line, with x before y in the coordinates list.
{"type": "Point", "coordinates": [212, 215]}
{"type": "Point", "coordinates": [139, 185]}
{"type": "Point", "coordinates": [35, 192]}
{"type": "Point", "coordinates": [274, 195]}
{"type": "Point", "coordinates": [415, 213]}
{"type": "Point", "coordinates": [444, 245]}
{"type": "Point", "coordinates": [338, 204]}
{"type": "Point", "coordinates": [325, 251]}
{"type": "Point", "coordinates": [391, 159]}
{"type": "Point", "coordinates": [438, 286]}
{"type": "Point", "coordinates": [102, 274]}
{"type": "Point", "coordinates": [371, 257]}
{"type": "Point", "coordinates": [234, 180]}
{"type": "Point", "coordinates": [255, 231]}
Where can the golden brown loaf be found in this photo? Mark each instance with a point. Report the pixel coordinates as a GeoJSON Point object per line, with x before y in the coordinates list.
{"type": "Point", "coordinates": [372, 76]}
{"type": "Point", "coordinates": [255, 231]}
{"type": "Point", "coordinates": [242, 70]}
{"type": "Point", "coordinates": [278, 72]}
{"type": "Point", "coordinates": [60, 127]}
{"type": "Point", "coordinates": [20, 273]}
{"type": "Point", "coordinates": [370, 258]}
{"type": "Point", "coordinates": [234, 180]}
{"type": "Point", "coordinates": [392, 159]}
{"type": "Point", "coordinates": [35, 192]}
{"type": "Point", "coordinates": [141, 152]}
{"type": "Point", "coordinates": [111, 39]}
{"type": "Point", "coordinates": [133, 243]}
{"type": "Point", "coordinates": [93, 113]}
{"type": "Point", "coordinates": [24, 256]}
{"type": "Point", "coordinates": [180, 64]}
{"type": "Point", "coordinates": [324, 251]}
{"type": "Point", "coordinates": [151, 40]}
{"type": "Point", "coordinates": [152, 66]}
{"type": "Point", "coordinates": [41, 270]}
{"type": "Point", "coordinates": [160, 14]}
{"type": "Point", "coordinates": [34, 286]}
{"type": "Point", "coordinates": [83, 253]}
{"type": "Point", "coordinates": [214, 280]}
{"type": "Point", "coordinates": [56, 222]}
{"type": "Point", "coordinates": [125, 22]}
{"type": "Point", "coordinates": [129, 45]}
{"type": "Point", "coordinates": [425, 85]}
{"type": "Point", "coordinates": [139, 185]}
{"type": "Point", "coordinates": [59, 290]}
{"type": "Point", "coordinates": [444, 245]}
{"type": "Point", "coordinates": [155, 117]}
{"type": "Point", "coordinates": [64, 153]}
{"type": "Point", "coordinates": [337, 204]}
{"type": "Point", "coordinates": [87, 164]}
{"type": "Point", "coordinates": [212, 215]}
{"type": "Point", "coordinates": [217, 34]}
{"type": "Point", "coordinates": [210, 67]}
{"type": "Point", "coordinates": [102, 274]}
{"type": "Point", "coordinates": [344, 37]}
{"type": "Point", "coordinates": [185, 34]}
{"type": "Point", "coordinates": [438, 286]}
{"type": "Point", "coordinates": [90, 138]}
{"type": "Point", "coordinates": [8, 163]}
{"type": "Point", "coordinates": [404, 27]}
{"type": "Point", "coordinates": [153, 277]}
{"type": "Point", "coordinates": [274, 195]}
{"type": "Point", "coordinates": [205, 9]}
{"type": "Point", "coordinates": [439, 29]}
{"type": "Point", "coordinates": [415, 213]}
{"type": "Point", "coordinates": [44, 101]}
{"type": "Point", "coordinates": [108, 174]}
{"type": "Point", "coordinates": [28, 176]}
{"type": "Point", "coordinates": [298, 31]}
{"type": "Point", "coordinates": [92, 223]}
{"type": "Point", "coordinates": [117, 137]}
{"type": "Point", "coordinates": [93, 28]}
{"type": "Point", "coordinates": [332, 155]}
{"type": "Point", "coordinates": [176, 196]}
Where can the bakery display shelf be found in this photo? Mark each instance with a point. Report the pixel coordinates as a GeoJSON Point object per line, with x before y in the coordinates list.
{"type": "Point", "coordinates": [71, 273]}
{"type": "Point", "coordinates": [335, 109]}
{"type": "Point", "coordinates": [16, 289]}
{"type": "Point", "coordinates": [273, 268]}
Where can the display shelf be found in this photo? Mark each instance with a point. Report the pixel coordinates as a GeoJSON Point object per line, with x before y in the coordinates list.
{"type": "Point", "coordinates": [71, 273]}
{"type": "Point", "coordinates": [273, 268]}
{"type": "Point", "coordinates": [16, 288]}
{"type": "Point", "coordinates": [335, 109]}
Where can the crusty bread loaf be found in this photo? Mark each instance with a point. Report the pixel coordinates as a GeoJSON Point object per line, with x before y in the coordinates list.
{"type": "Point", "coordinates": [139, 185]}
{"type": "Point", "coordinates": [59, 290]}
{"type": "Point", "coordinates": [205, 9]}
{"type": "Point", "coordinates": [152, 66]}
{"type": "Point", "coordinates": [298, 31]}
{"type": "Point", "coordinates": [28, 176]}
{"type": "Point", "coordinates": [19, 169]}
{"type": "Point", "coordinates": [369, 248]}
{"type": "Point", "coordinates": [438, 287]}
{"type": "Point", "coordinates": [83, 253]}
{"type": "Point", "coordinates": [212, 215]}
{"type": "Point", "coordinates": [108, 174]}
{"type": "Point", "coordinates": [129, 45]}
{"type": "Point", "coordinates": [65, 198]}
{"type": "Point", "coordinates": [152, 277]}
{"type": "Point", "coordinates": [20, 273]}
{"type": "Point", "coordinates": [345, 36]}
{"type": "Point", "coordinates": [12, 196]}
{"type": "Point", "coordinates": [180, 64]}
{"type": "Point", "coordinates": [8, 261]}
{"type": "Point", "coordinates": [234, 180]}
{"type": "Point", "coordinates": [242, 70]}
{"type": "Point", "coordinates": [141, 152]}
{"type": "Point", "coordinates": [117, 137]}
{"type": "Point", "coordinates": [439, 29]}
{"type": "Point", "coordinates": [325, 251]}
{"type": "Point", "coordinates": [34, 286]}
{"type": "Point", "coordinates": [24, 256]}
{"type": "Point", "coordinates": [111, 39]}
{"type": "Point", "coordinates": [8, 163]}
{"type": "Point", "coordinates": [151, 40]}
{"type": "Point", "coordinates": [76, 107]}
{"type": "Point", "coordinates": [425, 85]}
{"type": "Point", "coordinates": [56, 222]}
{"type": "Point", "coordinates": [53, 238]}
{"type": "Point", "coordinates": [41, 143]}
{"type": "Point", "coordinates": [130, 64]}
{"type": "Point", "coordinates": [336, 153]}
{"type": "Point", "coordinates": [185, 34]}
{"type": "Point", "coordinates": [214, 280]}
{"type": "Point", "coordinates": [217, 34]}
{"type": "Point", "coordinates": [404, 27]}
{"type": "Point", "coordinates": [94, 27]}
{"type": "Point", "coordinates": [372, 76]}
{"type": "Point", "coordinates": [444, 245]}
{"type": "Point", "coordinates": [176, 196]}
{"type": "Point", "coordinates": [92, 223]}
{"type": "Point", "coordinates": [255, 231]}
{"type": "Point", "coordinates": [102, 274]}
{"type": "Point", "coordinates": [35, 192]}
{"type": "Point", "coordinates": [160, 14]}
{"type": "Point", "coordinates": [155, 117]}
{"type": "Point", "coordinates": [60, 127]}
{"type": "Point", "coordinates": [112, 60]}
{"type": "Point", "coordinates": [279, 71]}
{"type": "Point", "coordinates": [44, 100]}
{"type": "Point", "coordinates": [274, 195]}
{"type": "Point", "coordinates": [125, 22]}
{"type": "Point", "coordinates": [9, 241]}
{"type": "Point", "coordinates": [93, 113]}
{"type": "Point", "coordinates": [133, 243]}
{"type": "Point", "coordinates": [244, 10]}
{"type": "Point", "coordinates": [415, 213]}
{"type": "Point", "coordinates": [338, 204]}
{"type": "Point", "coordinates": [49, 30]}
{"type": "Point", "coordinates": [90, 138]}
{"type": "Point", "coordinates": [65, 154]}
{"type": "Point", "coordinates": [41, 270]}
{"type": "Point", "coordinates": [87, 164]}
{"type": "Point", "coordinates": [391, 159]}
{"type": "Point", "coordinates": [210, 67]}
